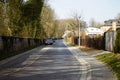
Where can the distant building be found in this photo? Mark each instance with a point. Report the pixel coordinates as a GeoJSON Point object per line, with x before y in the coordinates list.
{"type": "Point", "coordinates": [111, 24]}
{"type": "Point", "coordinates": [92, 31]}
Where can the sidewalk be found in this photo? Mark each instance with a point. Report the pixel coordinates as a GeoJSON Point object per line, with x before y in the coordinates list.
{"type": "Point", "coordinates": [91, 51]}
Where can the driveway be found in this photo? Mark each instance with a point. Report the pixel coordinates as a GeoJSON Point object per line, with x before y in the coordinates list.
{"type": "Point", "coordinates": [54, 62]}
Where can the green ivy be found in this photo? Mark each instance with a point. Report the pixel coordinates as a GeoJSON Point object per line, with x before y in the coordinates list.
{"type": "Point", "coordinates": [117, 42]}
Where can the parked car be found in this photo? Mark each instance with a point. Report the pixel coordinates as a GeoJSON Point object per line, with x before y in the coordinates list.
{"type": "Point", "coordinates": [49, 41]}
{"type": "Point", "coordinates": [53, 39]}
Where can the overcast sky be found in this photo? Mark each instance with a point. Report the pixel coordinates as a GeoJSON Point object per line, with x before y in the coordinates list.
{"type": "Point", "coordinates": [100, 10]}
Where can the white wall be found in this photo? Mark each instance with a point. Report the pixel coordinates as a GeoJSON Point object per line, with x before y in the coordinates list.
{"type": "Point", "coordinates": [105, 28]}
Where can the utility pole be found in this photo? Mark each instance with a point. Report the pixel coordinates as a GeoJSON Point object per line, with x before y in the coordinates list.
{"type": "Point", "coordinates": [79, 31]}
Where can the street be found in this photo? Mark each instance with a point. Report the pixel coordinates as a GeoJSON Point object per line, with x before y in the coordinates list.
{"type": "Point", "coordinates": [54, 62]}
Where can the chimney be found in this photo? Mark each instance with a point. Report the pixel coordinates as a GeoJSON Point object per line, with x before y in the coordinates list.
{"type": "Point", "coordinates": [114, 24]}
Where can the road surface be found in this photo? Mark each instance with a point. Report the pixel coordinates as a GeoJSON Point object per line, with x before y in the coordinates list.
{"type": "Point", "coordinates": [54, 62]}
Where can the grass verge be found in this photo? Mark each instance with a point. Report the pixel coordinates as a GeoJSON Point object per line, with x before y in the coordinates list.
{"type": "Point", "coordinates": [112, 60]}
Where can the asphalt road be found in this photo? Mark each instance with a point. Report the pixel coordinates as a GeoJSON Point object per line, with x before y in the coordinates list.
{"type": "Point", "coordinates": [54, 62]}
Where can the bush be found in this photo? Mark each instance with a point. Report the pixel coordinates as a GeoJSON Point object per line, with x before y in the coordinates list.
{"type": "Point", "coordinates": [117, 42]}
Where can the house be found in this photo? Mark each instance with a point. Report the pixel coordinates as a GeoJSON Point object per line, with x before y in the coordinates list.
{"type": "Point", "coordinates": [112, 23]}
{"type": "Point", "coordinates": [92, 31]}
{"type": "Point", "coordinates": [110, 28]}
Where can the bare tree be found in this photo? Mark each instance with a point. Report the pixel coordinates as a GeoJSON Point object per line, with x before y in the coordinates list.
{"type": "Point", "coordinates": [118, 16]}
{"type": "Point", "coordinates": [76, 22]}
{"type": "Point", "coordinates": [92, 23]}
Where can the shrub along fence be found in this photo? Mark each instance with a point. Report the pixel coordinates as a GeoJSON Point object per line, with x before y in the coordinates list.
{"type": "Point", "coordinates": [9, 44]}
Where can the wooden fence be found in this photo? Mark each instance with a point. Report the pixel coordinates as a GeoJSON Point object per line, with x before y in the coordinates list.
{"type": "Point", "coordinates": [110, 41]}
{"type": "Point", "coordinates": [97, 43]}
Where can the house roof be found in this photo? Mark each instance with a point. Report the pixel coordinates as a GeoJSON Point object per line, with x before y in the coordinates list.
{"type": "Point", "coordinates": [109, 22]}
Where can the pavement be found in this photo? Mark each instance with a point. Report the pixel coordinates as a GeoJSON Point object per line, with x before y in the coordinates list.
{"type": "Point", "coordinates": [100, 53]}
